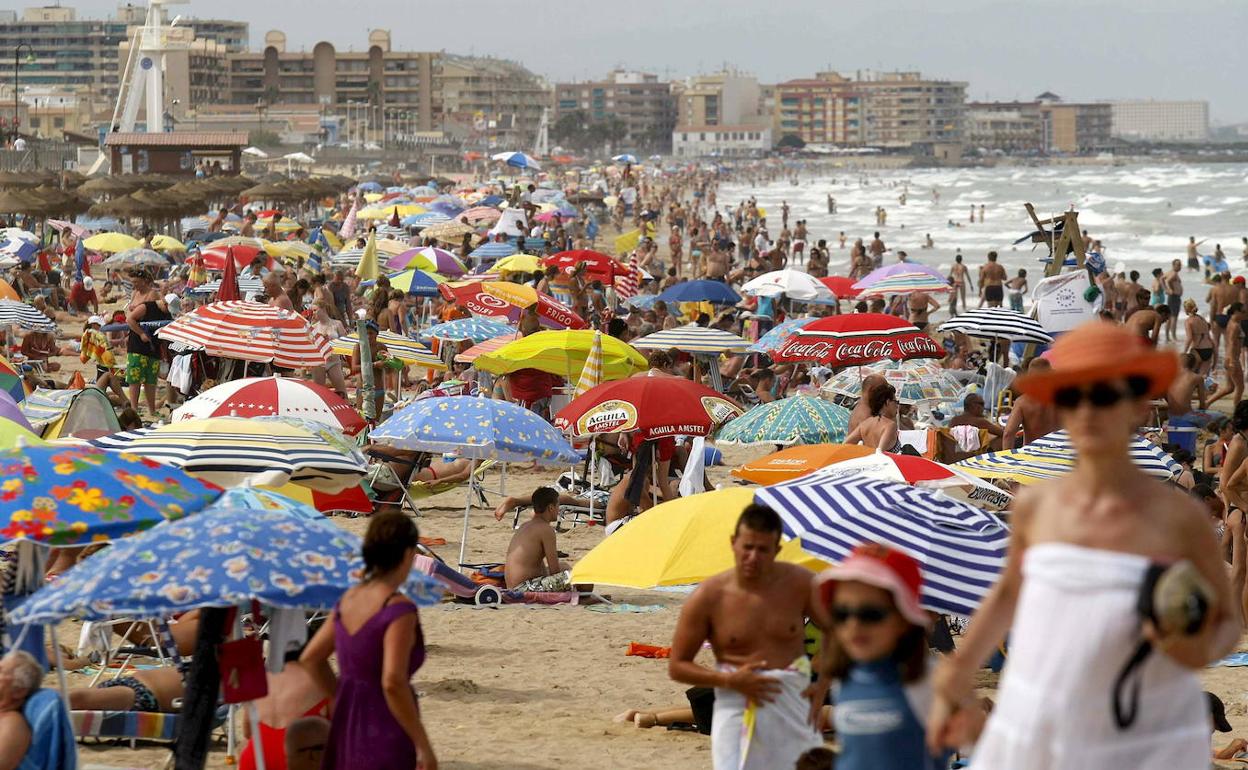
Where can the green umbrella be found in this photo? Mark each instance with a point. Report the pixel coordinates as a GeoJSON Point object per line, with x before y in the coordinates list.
{"type": "Point", "coordinates": [793, 420]}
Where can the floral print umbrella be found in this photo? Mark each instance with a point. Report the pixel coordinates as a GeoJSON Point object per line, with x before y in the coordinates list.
{"type": "Point", "coordinates": [61, 495]}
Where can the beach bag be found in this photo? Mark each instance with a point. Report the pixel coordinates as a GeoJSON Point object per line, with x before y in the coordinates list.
{"type": "Point", "coordinates": [242, 670]}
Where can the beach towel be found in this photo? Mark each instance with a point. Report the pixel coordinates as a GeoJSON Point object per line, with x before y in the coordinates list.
{"type": "Point", "coordinates": [52, 738]}
{"type": "Point", "coordinates": [914, 438]}
{"type": "Point", "coordinates": [692, 480]}
{"type": "Point", "coordinates": [639, 650]}
{"type": "Point", "coordinates": [749, 736]}
{"type": "Point", "coordinates": [967, 437]}
{"type": "Point", "coordinates": [1234, 660]}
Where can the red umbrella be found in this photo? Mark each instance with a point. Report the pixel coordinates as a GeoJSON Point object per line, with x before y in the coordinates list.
{"type": "Point", "coordinates": [229, 280]}
{"type": "Point", "coordinates": [250, 331]}
{"type": "Point", "coordinates": [281, 396]}
{"type": "Point", "coordinates": [596, 263]}
{"type": "Point", "coordinates": [655, 405]}
{"type": "Point", "coordinates": [860, 338]}
{"type": "Point", "coordinates": [840, 286]}
{"type": "Point", "coordinates": [244, 250]}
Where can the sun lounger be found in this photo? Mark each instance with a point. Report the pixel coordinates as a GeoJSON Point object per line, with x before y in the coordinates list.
{"type": "Point", "coordinates": [463, 588]}
{"type": "Point", "coordinates": [420, 490]}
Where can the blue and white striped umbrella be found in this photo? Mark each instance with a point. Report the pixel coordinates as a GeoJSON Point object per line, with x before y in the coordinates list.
{"type": "Point", "coordinates": [426, 219]}
{"type": "Point", "coordinates": [518, 160]}
{"type": "Point", "coordinates": [19, 250]}
{"type": "Point", "coordinates": [347, 257]}
{"type": "Point", "coordinates": [246, 285]}
{"type": "Point", "coordinates": [25, 316]}
{"type": "Point", "coordinates": [475, 329]}
{"type": "Point", "coordinates": [494, 250]}
{"type": "Point", "coordinates": [1052, 456]}
{"type": "Point", "coordinates": [392, 232]}
{"type": "Point", "coordinates": [998, 323]}
{"type": "Point", "coordinates": [772, 340]}
{"type": "Point", "coordinates": [693, 339]}
{"type": "Point", "coordinates": [960, 548]}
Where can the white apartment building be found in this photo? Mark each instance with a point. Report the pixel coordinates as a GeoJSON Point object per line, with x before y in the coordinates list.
{"type": "Point", "coordinates": [721, 141]}
{"type": "Point", "coordinates": [1146, 120]}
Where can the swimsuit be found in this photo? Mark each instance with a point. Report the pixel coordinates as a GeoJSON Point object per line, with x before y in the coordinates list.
{"type": "Point", "coordinates": [994, 293]}
{"type": "Point", "coordinates": [144, 698]}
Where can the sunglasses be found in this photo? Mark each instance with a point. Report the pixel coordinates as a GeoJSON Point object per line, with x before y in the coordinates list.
{"type": "Point", "coordinates": [867, 614]}
{"type": "Point", "coordinates": [1101, 395]}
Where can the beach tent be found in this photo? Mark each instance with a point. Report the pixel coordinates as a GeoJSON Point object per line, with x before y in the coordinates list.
{"type": "Point", "coordinates": [84, 413]}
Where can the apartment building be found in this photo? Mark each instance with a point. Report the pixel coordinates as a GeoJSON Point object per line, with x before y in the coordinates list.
{"type": "Point", "coordinates": [639, 100]}
{"type": "Point", "coordinates": [1160, 121]}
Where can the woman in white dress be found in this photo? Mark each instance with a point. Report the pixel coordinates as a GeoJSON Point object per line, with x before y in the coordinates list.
{"type": "Point", "coordinates": [1079, 553]}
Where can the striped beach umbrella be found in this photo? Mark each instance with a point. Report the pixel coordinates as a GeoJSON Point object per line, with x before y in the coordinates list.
{"type": "Point", "coordinates": [591, 374]}
{"type": "Point", "coordinates": [263, 396]}
{"type": "Point", "coordinates": [246, 285]}
{"type": "Point", "coordinates": [1052, 456]}
{"type": "Point", "coordinates": [789, 421]}
{"type": "Point", "coordinates": [427, 219]}
{"type": "Point", "coordinates": [627, 285]}
{"type": "Point", "coordinates": [234, 451]}
{"type": "Point", "coordinates": [693, 339]}
{"type": "Point", "coordinates": [960, 548]}
{"type": "Point", "coordinates": [494, 250]}
{"type": "Point", "coordinates": [407, 350]}
{"type": "Point", "coordinates": [480, 214]}
{"type": "Point", "coordinates": [914, 381]}
{"type": "Point", "coordinates": [998, 323]}
{"type": "Point", "coordinates": [903, 283]}
{"type": "Point", "coordinates": [473, 329]}
{"type": "Point", "coordinates": [250, 331]}
{"type": "Point", "coordinates": [778, 334]}
{"type": "Point", "coordinates": [481, 348]}
{"type": "Point", "coordinates": [25, 316]}
{"type": "Point", "coordinates": [418, 283]}
{"type": "Point", "coordinates": [429, 258]}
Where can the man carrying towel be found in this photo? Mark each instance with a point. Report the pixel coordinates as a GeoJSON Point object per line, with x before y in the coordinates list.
{"type": "Point", "coordinates": [754, 616]}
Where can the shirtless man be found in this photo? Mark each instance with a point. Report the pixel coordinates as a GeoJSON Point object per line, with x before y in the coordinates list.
{"type": "Point", "coordinates": [877, 250]}
{"type": "Point", "coordinates": [754, 617]}
{"type": "Point", "coordinates": [919, 305]}
{"type": "Point", "coordinates": [1221, 295]}
{"type": "Point", "coordinates": [1147, 321]}
{"type": "Point", "coordinates": [992, 282]}
{"type": "Point", "coordinates": [1172, 284]}
{"type": "Point", "coordinates": [961, 278]}
{"type": "Point", "coordinates": [973, 415]}
{"type": "Point", "coordinates": [276, 294]}
{"type": "Point", "coordinates": [532, 557]}
{"type": "Point", "coordinates": [716, 264]}
{"type": "Point", "coordinates": [1187, 384]}
{"type": "Point", "coordinates": [1032, 417]}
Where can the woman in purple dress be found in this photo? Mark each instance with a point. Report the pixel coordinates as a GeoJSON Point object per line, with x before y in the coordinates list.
{"type": "Point", "coordinates": [376, 634]}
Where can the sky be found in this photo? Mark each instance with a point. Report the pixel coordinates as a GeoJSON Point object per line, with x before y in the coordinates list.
{"type": "Point", "coordinates": [1004, 49]}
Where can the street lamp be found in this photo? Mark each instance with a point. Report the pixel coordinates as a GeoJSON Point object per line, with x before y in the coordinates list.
{"type": "Point", "coordinates": [17, 63]}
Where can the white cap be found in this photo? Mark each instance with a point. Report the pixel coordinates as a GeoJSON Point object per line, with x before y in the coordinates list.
{"type": "Point", "coordinates": [95, 319]}
{"type": "Point", "coordinates": [170, 298]}
{"type": "Point", "coordinates": [88, 283]}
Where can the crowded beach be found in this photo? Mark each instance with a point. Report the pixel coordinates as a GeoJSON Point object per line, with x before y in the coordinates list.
{"type": "Point", "coordinates": [544, 464]}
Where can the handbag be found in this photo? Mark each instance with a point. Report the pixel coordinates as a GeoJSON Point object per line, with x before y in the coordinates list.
{"type": "Point", "coordinates": [242, 670]}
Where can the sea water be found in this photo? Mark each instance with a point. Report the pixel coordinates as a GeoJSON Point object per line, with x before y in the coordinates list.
{"type": "Point", "coordinates": [1142, 214]}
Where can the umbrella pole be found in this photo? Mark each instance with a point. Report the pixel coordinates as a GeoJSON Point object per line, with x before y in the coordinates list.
{"type": "Point", "coordinates": [463, 538]}
{"type": "Point", "coordinates": [190, 749]}
{"type": "Point", "coordinates": [592, 473]}
{"type": "Point", "coordinates": [60, 664]}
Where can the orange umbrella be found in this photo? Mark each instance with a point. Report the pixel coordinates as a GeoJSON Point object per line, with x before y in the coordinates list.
{"type": "Point", "coordinates": [797, 461]}
{"type": "Point", "coordinates": [7, 291]}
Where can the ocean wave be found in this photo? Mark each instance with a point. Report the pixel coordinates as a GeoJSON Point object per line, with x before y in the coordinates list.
{"type": "Point", "coordinates": [1193, 211]}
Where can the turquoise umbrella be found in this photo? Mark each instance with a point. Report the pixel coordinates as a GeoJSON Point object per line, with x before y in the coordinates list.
{"type": "Point", "coordinates": [793, 420]}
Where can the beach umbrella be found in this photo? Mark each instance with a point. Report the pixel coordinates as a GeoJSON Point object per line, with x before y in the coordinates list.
{"type": "Point", "coordinates": [428, 258]}
{"type": "Point", "coordinates": [15, 432]}
{"type": "Point", "coordinates": [518, 263]}
{"type": "Point", "coordinates": [625, 158]}
{"type": "Point", "coordinates": [250, 331]}
{"type": "Point", "coordinates": [10, 412]}
{"type": "Point", "coordinates": [597, 264]}
{"type": "Point", "coordinates": [845, 340]}
{"type": "Point", "coordinates": [225, 558]}
{"type": "Point", "coordinates": [284, 396]}
{"type": "Point", "coordinates": [418, 283]}
{"type": "Point", "coordinates": [167, 243]}
{"type": "Point", "coordinates": [471, 329]}
{"type": "Point", "coordinates": [494, 250]}
{"type": "Point", "coordinates": [407, 350]}
{"type": "Point", "coordinates": [77, 495]}
{"type": "Point", "coordinates": [792, 283]}
{"type": "Point", "coordinates": [244, 286]}
{"type": "Point", "coordinates": [715, 292]}
{"type": "Point", "coordinates": [797, 461]}
{"type": "Point", "coordinates": [236, 450]}
{"type": "Point", "coordinates": [502, 299]}
{"type": "Point", "coordinates": [517, 160]}
{"type": "Point", "coordinates": [15, 251]}
{"type": "Point", "coordinates": [479, 215]}
{"type": "Point", "coordinates": [299, 499]}
{"type": "Point", "coordinates": [896, 268]}
{"type": "Point", "coordinates": [914, 381]}
{"type": "Point", "coordinates": [8, 292]}
{"type": "Point", "coordinates": [18, 234]}
{"type": "Point", "coordinates": [591, 374]}
{"type": "Point", "coordinates": [960, 548]}
{"type": "Point", "coordinates": [481, 348]}
{"type": "Point", "coordinates": [904, 283]}
{"type": "Point", "coordinates": [692, 338]}
{"type": "Point", "coordinates": [478, 428]}
{"type": "Point", "coordinates": [1052, 456]}
{"type": "Point", "coordinates": [427, 219]}
{"type": "Point", "coordinates": [792, 420]}
{"type": "Point", "coordinates": [998, 323]}
{"type": "Point", "coordinates": [563, 353]}
{"type": "Point", "coordinates": [111, 243]}
{"type": "Point", "coordinates": [778, 334]}
{"type": "Point", "coordinates": [230, 288]}
{"type": "Point", "coordinates": [655, 405]}
{"type": "Point", "coordinates": [368, 269]}
{"type": "Point", "coordinates": [244, 250]}
{"type": "Point", "coordinates": [840, 286]}
{"type": "Point", "coordinates": [25, 316]}
{"type": "Point", "coordinates": [680, 542]}
{"type": "Point", "coordinates": [448, 231]}
{"type": "Point", "coordinates": [138, 257]}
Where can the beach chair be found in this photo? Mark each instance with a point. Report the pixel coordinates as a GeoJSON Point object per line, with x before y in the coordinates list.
{"type": "Point", "coordinates": [456, 583]}
{"type": "Point", "coordinates": [477, 489]}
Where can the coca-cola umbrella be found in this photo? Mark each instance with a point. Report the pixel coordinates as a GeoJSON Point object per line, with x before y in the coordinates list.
{"type": "Point", "coordinates": [860, 338]}
{"type": "Point", "coordinates": [841, 286]}
{"type": "Point", "coordinates": [657, 406]}
{"type": "Point", "coordinates": [596, 263]}
{"type": "Point", "coordinates": [501, 299]}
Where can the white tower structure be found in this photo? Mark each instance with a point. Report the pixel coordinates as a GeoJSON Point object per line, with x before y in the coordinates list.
{"type": "Point", "coordinates": [144, 76]}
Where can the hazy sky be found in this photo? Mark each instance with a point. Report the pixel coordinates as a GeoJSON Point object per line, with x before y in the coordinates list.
{"type": "Point", "coordinates": [1005, 49]}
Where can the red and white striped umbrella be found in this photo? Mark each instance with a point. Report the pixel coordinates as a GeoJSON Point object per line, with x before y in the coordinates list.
{"type": "Point", "coordinates": [626, 285]}
{"type": "Point", "coordinates": [281, 396]}
{"type": "Point", "coordinates": [250, 331]}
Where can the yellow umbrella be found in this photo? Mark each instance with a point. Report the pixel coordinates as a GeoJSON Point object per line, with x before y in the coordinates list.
{"type": "Point", "coordinates": [111, 243]}
{"type": "Point", "coordinates": [367, 269]}
{"type": "Point", "coordinates": [563, 352]}
{"type": "Point", "coordinates": [518, 263]}
{"type": "Point", "coordinates": [289, 249]}
{"type": "Point", "coordinates": [391, 247]}
{"type": "Point", "coordinates": [591, 375]}
{"type": "Point", "coordinates": [167, 243]}
{"type": "Point", "coordinates": [680, 542]}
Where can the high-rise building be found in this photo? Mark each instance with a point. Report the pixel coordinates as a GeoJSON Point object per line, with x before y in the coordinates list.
{"type": "Point", "coordinates": [720, 99]}
{"type": "Point", "coordinates": [1011, 127]}
{"type": "Point", "coordinates": [499, 103]}
{"type": "Point", "coordinates": [86, 55]}
{"type": "Point", "coordinates": [819, 111]}
{"type": "Point", "coordinates": [902, 109]}
{"type": "Point", "coordinates": [1153, 121]}
{"type": "Point", "coordinates": [644, 105]}
{"type": "Point", "coordinates": [1071, 127]}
